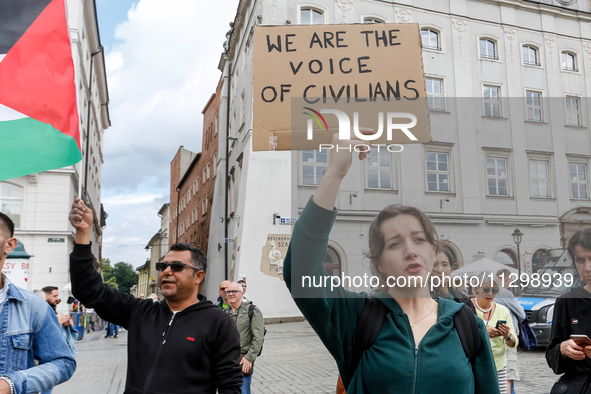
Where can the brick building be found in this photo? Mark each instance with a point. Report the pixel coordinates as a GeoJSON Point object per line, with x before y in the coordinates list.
{"type": "Point", "coordinates": [192, 178]}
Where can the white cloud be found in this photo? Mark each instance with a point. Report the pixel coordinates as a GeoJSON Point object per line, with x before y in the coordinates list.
{"type": "Point", "coordinates": [162, 72]}
{"type": "Point", "coordinates": [128, 199]}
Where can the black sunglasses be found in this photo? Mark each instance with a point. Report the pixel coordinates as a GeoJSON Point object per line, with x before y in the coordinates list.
{"type": "Point", "coordinates": [488, 290]}
{"type": "Point", "coordinates": [175, 266]}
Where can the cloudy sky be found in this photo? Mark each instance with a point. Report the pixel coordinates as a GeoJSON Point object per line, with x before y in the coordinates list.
{"type": "Point", "coordinates": [162, 59]}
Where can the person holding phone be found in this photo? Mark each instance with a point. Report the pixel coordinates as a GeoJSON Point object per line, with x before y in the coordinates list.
{"type": "Point", "coordinates": [568, 354]}
{"type": "Point", "coordinates": [418, 349]}
{"type": "Point", "coordinates": [497, 319]}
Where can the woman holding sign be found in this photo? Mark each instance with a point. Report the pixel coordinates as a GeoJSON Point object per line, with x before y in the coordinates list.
{"type": "Point", "coordinates": [569, 351]}
{"type": "Point", "coordinates": [400, 340]}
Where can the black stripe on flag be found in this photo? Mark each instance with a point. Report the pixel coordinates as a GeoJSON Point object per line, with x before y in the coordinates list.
{"type": "Point", "coordinates": [16, 16]}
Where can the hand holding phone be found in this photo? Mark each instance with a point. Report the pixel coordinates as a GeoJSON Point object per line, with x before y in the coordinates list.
{"type": "Point", "coordinates": [499, 322]}
{"type": "Point", "coordinates": [581, 340]}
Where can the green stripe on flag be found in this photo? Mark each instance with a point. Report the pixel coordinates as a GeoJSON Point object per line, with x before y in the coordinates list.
{"type": "Point", "coordinates": [28, 146]}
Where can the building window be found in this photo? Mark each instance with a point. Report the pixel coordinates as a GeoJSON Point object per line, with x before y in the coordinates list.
{"type": "Point", "coordinates": [203, 207]}
{"type": "Point", "coordinates": [379, 169]}
{"type": "Point", "coordinates": [539, 178]}
{"type": "Point", "coordinates": [496, 174]}
{"type": "Point", "coordinates": [578, 180]}
{"type": "Point", "coordinates": [534, 106]}
{"type": "Point", "coordinates": [438, 172]}
{"type": "Point", "coordinates": [568, 61]}
{"type": "Point", "coordinates": [332, 262]}
{"type": "Point", "coordinates": [435, 94]}
{"type": "Point", "coordinates": [313, 166]}
{"type": "Point", "coordinates": [204, 174]}
{"type": "Point", "coordinates": [573, 111]}
{"type": "Point", "coordinates": [372, 20]}
{"type": "Point", "coordinates": [492, 101]}
{"type": "Point", "coordinates": [11, 201]}
{"type": "Point", "coordinates": [310, 16]}
{"type": "Point", "coordinates": [530, 55]}
{"type": "Point", "coordinates": [208, 170]}
{"type": "Point", "coordinates": [430, 39]}
{"type": "Point", "coordinates": [488, 48]}
{"type": "Point", "coordinates": [215, 163]}
{"type": "Point", "coordinates": [507, 257]}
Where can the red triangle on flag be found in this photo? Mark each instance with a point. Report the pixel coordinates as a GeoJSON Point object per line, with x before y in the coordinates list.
{"type": "Point", "coordinates": [37, 76]}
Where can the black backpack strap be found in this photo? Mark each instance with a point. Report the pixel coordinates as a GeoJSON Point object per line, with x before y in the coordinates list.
{"type": "Point", "coordinates": [369, 325]}
{"type": "Point", "coordinates": [251, 310]}
{"type": "Point", "coordinates": [467, 328]}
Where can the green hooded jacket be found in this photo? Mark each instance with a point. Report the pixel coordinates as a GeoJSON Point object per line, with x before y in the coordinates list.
{"type": "Point", "coordinates": [252, 331]}
{"type": "Point", "coordinates": [393, 364]}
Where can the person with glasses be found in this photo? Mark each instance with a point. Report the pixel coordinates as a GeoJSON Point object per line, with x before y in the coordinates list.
{"type": "Point", "coordinates": [251, 327]}
{"type": "Point", "coordinates": [184, 344]}
{"type": "Point", "coordinates": [492, 313]}
{"type": "Point", "coordinates": [222, 301]}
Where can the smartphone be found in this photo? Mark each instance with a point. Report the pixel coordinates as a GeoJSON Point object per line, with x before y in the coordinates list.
{"type": "Point", "coordinates": [581, 340]}
{"type": "Point", "coordinates": [499, 322]}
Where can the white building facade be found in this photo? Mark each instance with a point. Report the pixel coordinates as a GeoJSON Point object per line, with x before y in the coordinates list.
{"type": "Point", "coordinates": [39, 203]}
{"type": "Point", "coordinates": [506, 86]}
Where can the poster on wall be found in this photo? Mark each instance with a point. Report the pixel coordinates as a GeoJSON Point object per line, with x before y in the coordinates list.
{"type": "Point", "coordinates": [273, 254]}
{"type": "Point", "coordinates": [17, 271]}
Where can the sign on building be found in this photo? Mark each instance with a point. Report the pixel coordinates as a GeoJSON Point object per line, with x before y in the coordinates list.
{"type": "Point", "coordinates": [274, 253]}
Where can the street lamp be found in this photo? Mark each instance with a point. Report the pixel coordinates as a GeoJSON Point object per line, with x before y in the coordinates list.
{"type": "Point", "coordinates": [517, 235]}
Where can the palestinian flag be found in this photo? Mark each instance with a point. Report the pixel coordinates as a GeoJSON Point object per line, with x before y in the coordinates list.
{"type": "Point", "coordinates": [39, 127]}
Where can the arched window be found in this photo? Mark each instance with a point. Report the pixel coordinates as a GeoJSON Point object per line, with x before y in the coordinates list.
{"type": "Point", "coordinates": [507, 257]}
{"type": "Point", "coordinates": [539, 258]}
{"type": "Point", "coordinates": [310, 16]}
{"type": "Point", "coordinates": [11, 201]}
{"type": "Point", "coordinates": [430, 39]}
{"type": "Point", "coordinates": [530, 55]}
{"type": "Point", "coordinates": [488, 48]}
{"type": "Point", "coordinates": [569, 62]}
{"type": "Point", "coordinates": [332, 262]}
{"type": "Point", "coordinates": [372, 20]}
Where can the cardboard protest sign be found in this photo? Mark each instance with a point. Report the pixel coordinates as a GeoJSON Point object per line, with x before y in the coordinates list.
{"type": "Point", "coordinates": [313, 81]}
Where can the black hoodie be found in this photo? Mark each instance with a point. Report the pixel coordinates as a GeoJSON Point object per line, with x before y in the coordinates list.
{"type": "Point", "coordinates": [195, 351]}
{"type": "Point", "coordinates": [572, 315]}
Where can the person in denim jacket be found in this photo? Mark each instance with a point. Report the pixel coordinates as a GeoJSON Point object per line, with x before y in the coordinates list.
{"type": "Point", "coordinates": [29, 331]}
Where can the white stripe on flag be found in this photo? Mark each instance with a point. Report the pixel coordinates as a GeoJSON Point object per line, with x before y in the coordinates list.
{"type": "Point", "coordinates": [9, 114]}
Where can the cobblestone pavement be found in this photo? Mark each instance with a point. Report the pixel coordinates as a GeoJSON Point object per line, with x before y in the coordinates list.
{"type": "Point", "coordinates": [293, 361]}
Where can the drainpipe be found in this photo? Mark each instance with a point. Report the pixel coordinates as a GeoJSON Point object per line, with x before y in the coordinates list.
{"type": "Point", "coordinates": [226, 224]}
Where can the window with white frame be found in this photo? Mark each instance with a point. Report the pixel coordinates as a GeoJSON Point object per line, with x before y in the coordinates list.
{"type": "Point", "coordinates": [438, 172]}
{"type": "Point", "coordinates": [573, 111]}
{"type": "Point", "coordinates": [379, 169]}
{"type": "Point", "coordinates": [174, 235]}
{"type": "Point", "coordinates": [242, 109]}
{"type": "Point", "coordinates": [533, 102]}
{"type": "Point", "coordinates": [189, 195]}
{"type": "Point", "coordinates": [204, 174]}
{"type": "Point", "coordinates": [539, 178]}
{"type": "Point", "coordinates": [569, 61]}
{"type": "Point", "coordinates": [497, 176]}
{"type": "Point", "coordinates": [371, 19]}
{"type": "Point", "coordinates": [492, 101]}
{"type": "Point", "coordinates": [187, 224]}
{"type": "Point", "coordinates": [430, 39]}
{"type": "Point", "coordinates": [488, 48]}
{"type": "Point", "coordinates": [208, 170]}
{"type": "Point", "coordinates": [314, 165]}
{"type": "Point", "coordinates": [578, 180]}
{"type": "Point", "coordinates": [311, 16]}
{"type": "Point", "coordinates": [530, 55]}
{"type": "Point", "coordinates": [203, 207]}
{"type": "Point", "coordinates": [215, 163]}
{"type": "Point", "coordinates": [11, 202]}
{"type": "Point", "coordinates": [435, 94]}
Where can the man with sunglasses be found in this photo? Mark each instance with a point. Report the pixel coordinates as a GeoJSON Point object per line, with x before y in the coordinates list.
{"type": "Point", "coordinates": [184, 344]}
